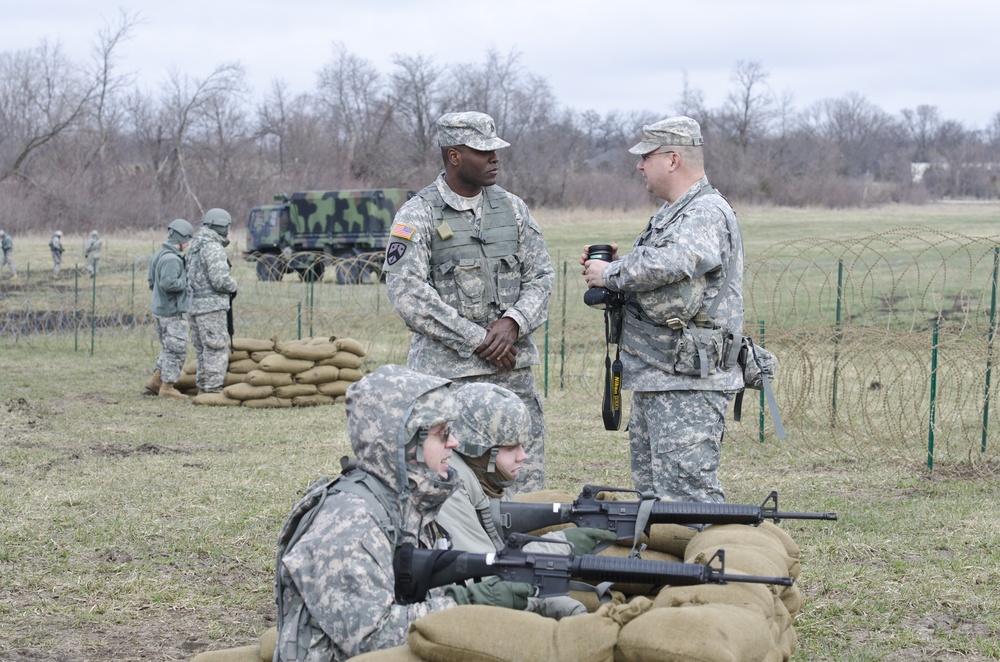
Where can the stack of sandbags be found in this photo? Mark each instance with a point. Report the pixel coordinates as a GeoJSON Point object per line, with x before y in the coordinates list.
{"type": "Point", "coordinates": [295, 373]}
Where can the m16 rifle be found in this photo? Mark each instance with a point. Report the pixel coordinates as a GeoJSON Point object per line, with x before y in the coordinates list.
{"type": "Point", "coordinates": [628, 519]}
{"type": "Point", "coordinates": [419, 570]}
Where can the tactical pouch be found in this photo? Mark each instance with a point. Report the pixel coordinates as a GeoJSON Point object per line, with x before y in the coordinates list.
{"type": "Point", "coordinates": [699, 351]}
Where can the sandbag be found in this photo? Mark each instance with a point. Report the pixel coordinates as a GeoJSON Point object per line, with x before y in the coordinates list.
{"type": "Point", "coordinates": [725, 535]}
{"type": "Point", "coordinates": [279, 363]}
{"type": "Point", "coordinates": [307, 352]}
{"type": "Point", "coordinates": [272, 402]}
{"type": "Point", "coordinates": [741, 594]}
{"type": "Point", "coordinates": [546, 496]}
{"type": "Point", "coordinates": [252, 344]}
{"type": "Point", "coordinates": [697, 633]}
{"type": "Point", "coordinates": [395, 654]}
{"type": "Point", "coordinates": [320, 374]}
{"type": "Point", "coordinates": [592, 602]}
{"type": "Point", "coordinates": [350, 345]}
{"type": "Point", "coordinates": [214, 400]}
{"type": "Point", "coordinates": [262, 378]}
{"type": "Point", "coordinates": [186, 381]}
{"type": "Point", "coordinates": [312, 400]}
{"type": "Point", "coordinates": [295, 390]}
{"type": "Point", "coordinates": [260, 356]}
{"type": "Point", "coordinates": [350, 374]}
{"type": "Point", "coordinates": [791, 548]}
{"type": "Point", "coordinates": [246, 391]}
{"type": "Point", "coordinates": [241, 654]}
{"type": "Point", "coordinates": [242, 366]}
{"type": "Point", "coordinates": [342, 359]}
{"type": "Point", "coordinates": [472, 633]}
{"type": "Point", "coordinates": [231, 378]}
{"type": "Point", "coordinates": [335, 389]}
{"type": "Point", "coordinates": [238, 356]}
{"type": "Point", "coordinates": [668, 538]}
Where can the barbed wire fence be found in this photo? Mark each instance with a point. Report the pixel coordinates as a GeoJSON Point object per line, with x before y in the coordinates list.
{"type": "Point", "coordinates": [885, 342]}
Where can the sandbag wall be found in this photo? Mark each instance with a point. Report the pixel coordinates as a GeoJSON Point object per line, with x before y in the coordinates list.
{"type": "Point", "coordinates": [276, 373]}
{"type": "Point", "coordinates": [707, 623]}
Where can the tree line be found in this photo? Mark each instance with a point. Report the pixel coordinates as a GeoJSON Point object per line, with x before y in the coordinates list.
{"type": "Point", "coordinates": [82, 146]}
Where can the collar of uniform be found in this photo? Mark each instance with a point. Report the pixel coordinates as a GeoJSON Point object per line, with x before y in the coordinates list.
{"type": "Point", "coordinates": [668, 210]}
{"type": "Point", "coordinates": [456, 201]}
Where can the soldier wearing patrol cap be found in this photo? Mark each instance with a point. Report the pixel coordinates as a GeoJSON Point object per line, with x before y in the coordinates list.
{"type": "Point", "coordinates": [468, 271]}
{"type": "Point", "coordinates": [683, 288]}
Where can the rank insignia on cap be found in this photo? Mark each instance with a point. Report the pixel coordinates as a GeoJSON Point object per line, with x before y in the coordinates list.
{"type": "Point", "coordinates": [403, 231]}
{"type": "Point", "coordinates": [394, 252]}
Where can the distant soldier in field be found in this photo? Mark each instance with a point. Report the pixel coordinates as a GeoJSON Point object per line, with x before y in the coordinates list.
{"type": "Point", "coordinates": [167, 278]}
{"type": "Point", "coordinates": [468, 271]}
{"type": "Point", "coordinates": [7, 244]}
{"type": "Point", "coordinates": [92, 252]}
{"type": "Point", "coordinates": [210, 290]}
{"type": "Point", "coordinates": [56, 247]}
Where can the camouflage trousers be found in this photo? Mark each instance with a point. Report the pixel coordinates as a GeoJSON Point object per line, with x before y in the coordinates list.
{"type": "Point", "coordinates": [56, 262]}
{"type": "Point", "coordinates": [675, 440]}
{"type": "Point", "coordinates": [522, 382]}
{"type": "Point", "coordinates": [8, 261]}
{"type": "Point", "coordinates": [92, 266]}
{"type": "Point", "coordinates": [173, 335]}
{"type": "Point", "coordinates": [210, 338]}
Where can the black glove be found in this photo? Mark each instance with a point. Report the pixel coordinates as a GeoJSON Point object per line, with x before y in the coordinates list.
{"type": "Point", "coordinates": [492, 591]}
{"type": "Point", "coordinates": [585, 540]}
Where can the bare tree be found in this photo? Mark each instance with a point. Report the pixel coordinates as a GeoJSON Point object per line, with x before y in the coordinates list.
{"type": "Point", "coordinates": [416, 85]}
{"type": "Point", "coordinates": [42, 95]}
{"type": "Point", "coordinates": [749, 109]}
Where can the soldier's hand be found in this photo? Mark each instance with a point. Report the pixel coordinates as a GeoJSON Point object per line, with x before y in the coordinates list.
{"type": "Point", "coordinates": [585, 540]}
{"type": "Point", "coordinates": [498, 346]}
{"type": "Point", "coordinates": [494, 592]}
{"type": "Point", "coordinates": [559, 606]}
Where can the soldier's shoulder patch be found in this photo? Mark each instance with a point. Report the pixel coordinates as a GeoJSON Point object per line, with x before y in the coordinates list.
{"type": "Point", "coordinates": [403, 231]}
{"type": "Point", "coordinates": [394, 252]}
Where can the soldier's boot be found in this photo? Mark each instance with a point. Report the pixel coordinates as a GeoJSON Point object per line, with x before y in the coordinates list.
{"type": "Point", "coordinates": [167, 390]}
{"type": "Point", "coordinates": [153, 385]}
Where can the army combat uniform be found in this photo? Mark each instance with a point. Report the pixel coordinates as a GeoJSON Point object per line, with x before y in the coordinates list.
{"type": "Point", "coordinates": [56, 247]}
{"type": "Point", "coordinates": [336, 584]}
{"type": "Point", "coordinates": [168, 281]}
{"type": "Point", "coordinates": [209, 286]}
{"type": "Point", "coordinates": [7, 246]}
{"type": "Point", "coordinates": [677, 268]}
{"type": "Point", "coordinates": [92, 252]}
{"type": "Point", "coordinates": [452, 267]}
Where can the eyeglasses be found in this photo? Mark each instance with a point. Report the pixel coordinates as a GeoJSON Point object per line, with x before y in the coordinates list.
{"type": "Point", "coordinates": [444, 433]}
{"type": "Point", "coordinates": [646, 156]}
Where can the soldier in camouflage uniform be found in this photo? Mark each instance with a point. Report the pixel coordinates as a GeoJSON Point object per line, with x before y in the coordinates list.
{"type": "Point", "coordinates": [92, 252]}
{"type": "Point", "coordinates": [679, 360]}
{"type": "Point", "coordinates": [492, 428]}
{"type": "Point", "coordinates": [56, 247]}
{"type": "Point", "coordinates": [468, 271]}
{"type": "Point", "coordinates": [335, 582]}
{"type": "Point", "coordinates": [210, 291]}
{"type": "Point", "coordinates": [7, 246]}
{"type": "Point", "coordinates": [167, 279]}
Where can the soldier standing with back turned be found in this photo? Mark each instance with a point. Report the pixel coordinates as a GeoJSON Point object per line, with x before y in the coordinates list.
{"type": "Point", "coordinates": [210, 291]}
{"type": "Point", "coordinates": [167, 278]}
{"type": "Point", "coordinates": [468, 271]}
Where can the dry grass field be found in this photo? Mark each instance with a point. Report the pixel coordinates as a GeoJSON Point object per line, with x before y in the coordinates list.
{"type": "Point", "coordinates": [137, 529]}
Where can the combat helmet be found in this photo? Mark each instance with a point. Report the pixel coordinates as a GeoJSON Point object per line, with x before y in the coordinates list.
{"type": "Point", "coordinates": [491, 417]}
{"type": "Point", "coordinates": [217, 219]}
{"type": "Point", "coordinates": [58, 233]}
{"type": "Point", "coordinates": [179, 231]}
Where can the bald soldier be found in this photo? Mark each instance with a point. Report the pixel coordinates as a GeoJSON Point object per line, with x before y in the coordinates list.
{"type": "Point", "coordinates": [683, 287]}
{"type": "Point", "coordinates": [467, 269]}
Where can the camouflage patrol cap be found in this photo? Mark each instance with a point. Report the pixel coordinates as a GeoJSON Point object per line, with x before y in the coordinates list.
{"type": "Point", "coordinates": [476, 130]}
{"type": "Point", "coordinates": [680, 131]}
{"type": "Point", "coordinates": [491, 416]}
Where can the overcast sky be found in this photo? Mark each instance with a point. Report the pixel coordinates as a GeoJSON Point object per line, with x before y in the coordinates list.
{"type": "Point", "coordinates": [596, 55]}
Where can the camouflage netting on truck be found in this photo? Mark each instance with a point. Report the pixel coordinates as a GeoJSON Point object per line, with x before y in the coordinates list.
{"type": "Point", "coordinates": [276, 373]}
{"type": "Point", "coordinates": [707, 622]}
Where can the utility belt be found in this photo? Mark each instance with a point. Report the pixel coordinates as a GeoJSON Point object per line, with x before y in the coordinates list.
{"type": "Point", "coordinates": [696, 348]}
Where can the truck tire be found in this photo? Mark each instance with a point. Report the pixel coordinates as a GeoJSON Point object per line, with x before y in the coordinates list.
{"type": "Point", "coordinates": [313, 273]}
{"type": "Point", "coordinates": [269, 267]}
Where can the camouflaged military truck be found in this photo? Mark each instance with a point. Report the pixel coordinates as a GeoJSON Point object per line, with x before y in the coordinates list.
{"type": "Point", "coordinates": [309, 231]}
